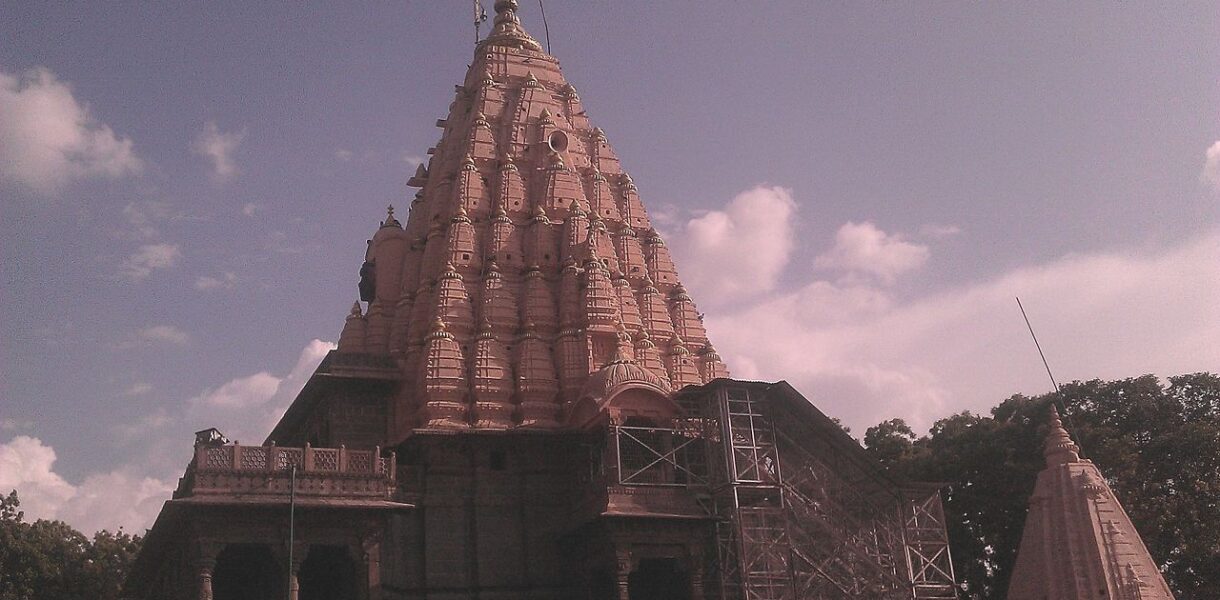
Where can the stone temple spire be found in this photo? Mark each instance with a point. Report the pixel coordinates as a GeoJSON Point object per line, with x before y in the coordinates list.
{"type": "Point", "coordinates": [1078, 542]}
{"type": "Point", "coordinates": [530, 244]}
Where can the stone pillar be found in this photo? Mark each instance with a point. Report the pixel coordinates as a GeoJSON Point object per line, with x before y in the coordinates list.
{"type": "Point", "coordinates": [623, 573]}
{"type": "Point", "coordinates": [299, 550]}
{"type": "Point", "coordinates": [203, 573]}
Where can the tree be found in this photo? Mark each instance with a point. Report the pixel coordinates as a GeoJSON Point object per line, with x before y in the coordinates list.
{"type": "Point", "coordinates": [49, 560]}
{"type": "Point", "coordinates": [1158, 446]}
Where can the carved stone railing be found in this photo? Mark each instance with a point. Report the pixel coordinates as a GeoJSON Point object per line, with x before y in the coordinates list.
{"type": "Point", "coordinates": [236, 470]}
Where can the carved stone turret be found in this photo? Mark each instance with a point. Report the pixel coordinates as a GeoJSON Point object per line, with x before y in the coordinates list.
{"type": "Point", "coordinates": [444, 380]}
{"type": "Point", "coordinates": [1078, 543]}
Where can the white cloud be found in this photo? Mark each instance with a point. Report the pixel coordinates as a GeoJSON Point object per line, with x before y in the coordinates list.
{"type": "Point", "coordinates": [1211, 167]}
{"type": "Point", "coordinates": [167, 334]}
{"type": "Point", "coordinates": [738, 251]}
{"type": "Point", "coordinates": [118, 499]}
{"type": "Point", "coordinates": [142, 219]}
{"type": "Point", "coordinates": [138, 388]}
{"type": "Point", "coordinates": [218, 147]}
{"type": "Point", "coordinates": [412, 160]}
{"type": "Point", "coordinates": [249, 209]}
{"type": "Point", "coordinates": [148, 258]}
{"type": "Point", "coordinates": [246, 408]}
{"type": "Point", "coordinates": [48, 138]}
{"type": "Point", "coordinates": [864, 355]}
{"type": "Point", "coordinates": [243, 392]}
{"type": "Point", "coordinates": [862, 248]}
{"type": "Point", "coordinates": [25, 465]}
{"type": "Point", "coordinates": [224, 280]}
{"type": "Point", "coordinates": [343, 155]}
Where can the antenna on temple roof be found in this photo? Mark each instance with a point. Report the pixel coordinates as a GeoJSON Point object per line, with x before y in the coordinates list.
{"type": "Point", "coordinates": [546, 29]}
{"type": "Point", "coordinates": [480, 16]}
{"type": "Point", "coordinates": [1037, 345]}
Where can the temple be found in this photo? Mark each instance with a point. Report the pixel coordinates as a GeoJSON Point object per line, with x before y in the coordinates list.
{"type": "Point", "coordinates": [525, 403]}
{"type": "Point", "coordinates": [1078, 542]}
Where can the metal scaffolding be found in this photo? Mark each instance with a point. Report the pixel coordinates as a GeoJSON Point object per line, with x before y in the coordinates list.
{"type": "Point", "coordinates": [799, 515]}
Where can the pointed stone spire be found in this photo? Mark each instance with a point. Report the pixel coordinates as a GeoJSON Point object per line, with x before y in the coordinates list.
{"type": "Point", "coordinates": [660, 264]}
{"type": "Point", "coordinates": [444, 380]}
{"type": "Point", "coordinates": [629, 309]}
{"type": "Point", "coordinates": [710, 365]}
{"type": "Point", "coordinates": [505, 246]}
{"type": "Point", "coordinates": [601, 304]}
{"type": "Point", "coordinates": [498, 303]}
{"type": "Point", "coordinates": [536, 381]}
{"type": "Point", "coordinates": [681, 365]}
{"type": "Point", "coordinates": [575, 231]}
{"type": "Point", "coordinates": [647, 355]}
{"type": "Point", "coordinates": [453, 302]}
{"type": "Point", "coordinates": [654, 312]}
{"type": "Point", "coordinates": [524, 224]}
{"type": "Point", "coordinates": [463, 245]}
{"type": "Point", "coordinates": [492, 382]}
{"type": "Point", "coordinates": [538, 304]}
{"type": "Point", "coordinates": [601, 198]}
{"type": "Point", "coordinates": [631, 254]}
{"type": "Point", "coordinates": [352, 338]}
{"type": "Point", "coordinates": [541, 246]}
{"type": "Point", "coordinates": [1078, 543]}
{"type": "Point", "coordinates": [686, 320]}
{"type": "Point", "coordinates": [512, 190]}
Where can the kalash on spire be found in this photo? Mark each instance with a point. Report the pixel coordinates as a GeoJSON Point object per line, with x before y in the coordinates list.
{"type": "Point", "coordinates": [525, 227]}
{"type": "Point", "coordinates": [529, 407]}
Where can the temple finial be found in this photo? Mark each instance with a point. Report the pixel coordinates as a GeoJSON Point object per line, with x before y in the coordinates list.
{"type": "Point", "coordinates": [1059, 447]}
{"type": "Point", "coordinates": [390, 221]}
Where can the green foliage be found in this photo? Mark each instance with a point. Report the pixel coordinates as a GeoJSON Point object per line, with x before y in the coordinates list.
{"type": "Point", "coordinates": [1158, 446]}
{"type": "Point", "coordinates": [48, 560]}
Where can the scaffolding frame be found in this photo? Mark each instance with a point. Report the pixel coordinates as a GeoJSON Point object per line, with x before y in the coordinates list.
{"type": "Point", "coordinates": [798, 514]}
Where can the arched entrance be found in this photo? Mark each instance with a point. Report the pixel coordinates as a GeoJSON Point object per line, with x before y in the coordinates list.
{"type": "Point", "coordinates": [328, 573]}
{"type": "Point", "coordinates": [658, 579]}
{"type": "Point", "coordinates": [247, 572]}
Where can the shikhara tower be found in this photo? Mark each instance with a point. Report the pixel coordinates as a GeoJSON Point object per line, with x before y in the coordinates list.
{"type": "Point", "coordinates": [529, 406]}
{"type": "Point", "coordinates": [527, 263]}
{"type": "Point", "coordinates": [1078, 542]}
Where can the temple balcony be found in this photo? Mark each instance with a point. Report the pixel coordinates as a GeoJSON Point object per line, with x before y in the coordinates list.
{"type": "Point", "coordinates": [236, 474]}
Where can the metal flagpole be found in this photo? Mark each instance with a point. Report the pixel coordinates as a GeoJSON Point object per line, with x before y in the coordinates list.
{"type": "Point", "coordinates": [292, 513]}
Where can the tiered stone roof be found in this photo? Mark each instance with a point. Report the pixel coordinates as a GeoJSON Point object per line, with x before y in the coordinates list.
{"type": "Point", "coordinates": [527, 262]}
{"type": "Point", "coordinates": [1078, 542]}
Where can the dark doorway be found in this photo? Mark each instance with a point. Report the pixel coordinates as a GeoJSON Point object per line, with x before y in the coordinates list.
{"type": "Point", "coordinates": [248, 572]}
{"type": "Point", "coordinates": [658, 579]}
{"type": "Point", "coordinates": [328, 573]}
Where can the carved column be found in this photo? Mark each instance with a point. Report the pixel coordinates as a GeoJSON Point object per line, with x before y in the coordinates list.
{"type": "Point", "coordinates": [205, 566]}
{"type": "Point", "coordinates": [299, 550]}
{"type": "Point", "coordinates": [203, 573]}
{"type": "Point", "coordinates": [623, 573]}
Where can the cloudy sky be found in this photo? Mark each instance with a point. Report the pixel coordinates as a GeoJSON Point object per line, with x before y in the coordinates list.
{"type": "Point", "coordinates": [855, 192]}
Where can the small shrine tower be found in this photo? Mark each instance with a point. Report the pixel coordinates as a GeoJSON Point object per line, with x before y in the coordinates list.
{"type": "Point", "coordinates": [1078, 542]}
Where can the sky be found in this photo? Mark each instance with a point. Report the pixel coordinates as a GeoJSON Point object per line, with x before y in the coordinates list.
{"type": "Point", "coordinates": [854, 192]}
